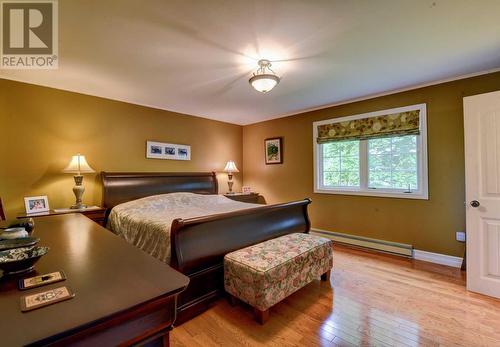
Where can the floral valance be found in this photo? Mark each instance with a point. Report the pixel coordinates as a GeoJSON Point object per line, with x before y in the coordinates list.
{"type": "Point", "coordinates": [395, 124]}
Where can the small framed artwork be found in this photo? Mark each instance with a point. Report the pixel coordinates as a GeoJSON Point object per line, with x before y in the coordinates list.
{"type": "Point", "coordinates": [274, 150]}
{"type": "Point", "coordinates": [36, 204]}
{"type": "Point", "coordinates": [154, 150]}
{"type": "Point", "coordinates": [170, 152]}
{"type": "Point", "coordinates": [183, 152]}
{"type": "Point", "coordinates": [161, 150]}
{"type": "Point", "coordinates": [246, 190]}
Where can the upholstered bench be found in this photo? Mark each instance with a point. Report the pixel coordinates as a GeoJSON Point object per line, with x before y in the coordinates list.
{"type": "Point", "coordinates": [264, 274]}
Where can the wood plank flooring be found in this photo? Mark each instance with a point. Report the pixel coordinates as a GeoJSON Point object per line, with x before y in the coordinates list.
{"type": "Point", "coordinates": [372, 300]}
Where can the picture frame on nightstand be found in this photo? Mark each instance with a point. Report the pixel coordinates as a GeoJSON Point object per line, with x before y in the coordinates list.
{"type": "Point", "coordinates": [36, 204]}
{"type": "Point", "coordinates": [246, 190]}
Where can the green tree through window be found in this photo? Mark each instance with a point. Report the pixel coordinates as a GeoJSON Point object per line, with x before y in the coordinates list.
{"type": "Point", "coordinates": [341, 164]}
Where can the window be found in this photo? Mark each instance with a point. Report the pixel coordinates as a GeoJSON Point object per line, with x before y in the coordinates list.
{"type": "Point", "coordinates": [373, 163]}
{"type": "Point", "coordinates": [341, 164]}
{"type": "Point", "coordinates": [392, 163]}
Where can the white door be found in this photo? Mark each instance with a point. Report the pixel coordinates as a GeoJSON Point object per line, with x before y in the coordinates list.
{"type": "Point", "coordinates": [482, 178]}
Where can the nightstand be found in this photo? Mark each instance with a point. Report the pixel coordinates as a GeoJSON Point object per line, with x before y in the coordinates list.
{"type": "Point", "coordinates": [252, 198]}
{"type": "Point", "coordinates": [95, 213]}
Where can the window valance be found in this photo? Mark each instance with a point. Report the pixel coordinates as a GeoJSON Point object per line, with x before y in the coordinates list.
{"type": "Point", "coordinates": [395, 124]}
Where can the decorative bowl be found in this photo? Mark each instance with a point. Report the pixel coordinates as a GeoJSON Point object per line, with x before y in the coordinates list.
{"type": "Point", "coordinates": [13, 233]}
{"type": "Point", "coordinates": [26, 223]}
{"type": "Point", "coordinates": [17, 243]}
{"type": "Point", "coordinates": [20, 260]}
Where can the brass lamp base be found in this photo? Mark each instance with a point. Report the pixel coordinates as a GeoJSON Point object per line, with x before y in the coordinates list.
{"type": "Point", "coordinates": [230, 183]}
{"type": "Point", "coordinates": [78, 190]}
{"type": "Point", "coordinates": [78, 206]}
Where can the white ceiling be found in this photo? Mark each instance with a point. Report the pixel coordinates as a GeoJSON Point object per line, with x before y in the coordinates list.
{"type": "Point", "coordinates": [195, 57]}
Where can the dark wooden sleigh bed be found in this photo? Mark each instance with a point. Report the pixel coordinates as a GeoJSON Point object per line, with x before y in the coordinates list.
{"type": "Point", "coordinates": [198, 245]}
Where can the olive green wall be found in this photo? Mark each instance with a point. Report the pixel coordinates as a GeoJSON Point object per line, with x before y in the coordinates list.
{"type": "Point", "coordinates": [41, 128]}
{"type": "Point", "coordinates": [427, 224]}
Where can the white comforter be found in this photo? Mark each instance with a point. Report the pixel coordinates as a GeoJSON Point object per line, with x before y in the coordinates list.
{"type": "Point", "coordinates": [146, 222]}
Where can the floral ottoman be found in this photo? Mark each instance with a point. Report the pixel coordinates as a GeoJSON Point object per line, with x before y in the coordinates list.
{"type": "Point", "coordinates": [264, 274]}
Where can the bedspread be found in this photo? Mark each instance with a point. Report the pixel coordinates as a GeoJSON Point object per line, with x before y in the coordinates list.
{"type": "Point", "coordinates": [146, 222]}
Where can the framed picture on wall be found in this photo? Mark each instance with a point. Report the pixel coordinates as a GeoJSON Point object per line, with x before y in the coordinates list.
{"type": "Point", "coordinates": [36, 204]}
{"type": "Point", "coordinates": [273, 150]}
{"type": "Point", "coordinates": [161, 150]}
{"type": "Point", "coordinates": [183, 152]}
{"type": "Point", "coordinates": [154, 150]}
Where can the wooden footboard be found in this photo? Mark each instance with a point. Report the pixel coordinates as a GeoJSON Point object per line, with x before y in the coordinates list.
{"type": "Point", "coordinates": [199, 245]}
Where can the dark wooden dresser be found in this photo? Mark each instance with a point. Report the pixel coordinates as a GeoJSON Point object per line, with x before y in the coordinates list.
{"type": "Point", "coordinates": [123, 295]}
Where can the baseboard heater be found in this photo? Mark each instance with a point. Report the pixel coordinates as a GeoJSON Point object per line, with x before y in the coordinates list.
{"type": "Point", "coordinates": [365, 242]}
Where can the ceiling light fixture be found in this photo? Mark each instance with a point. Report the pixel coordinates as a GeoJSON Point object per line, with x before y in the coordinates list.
{"type": "Point", "coordinates": [264, 79]}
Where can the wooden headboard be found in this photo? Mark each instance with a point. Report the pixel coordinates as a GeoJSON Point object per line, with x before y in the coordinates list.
{"type": "Point", "coordinates": [120, 187]}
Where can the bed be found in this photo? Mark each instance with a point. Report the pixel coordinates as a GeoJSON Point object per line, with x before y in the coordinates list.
{"type": "Point", "coordinates": [196, 241]}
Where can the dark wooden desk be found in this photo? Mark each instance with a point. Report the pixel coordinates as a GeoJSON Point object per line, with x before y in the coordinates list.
{"type": "Point", "coordinates": [123, 295]}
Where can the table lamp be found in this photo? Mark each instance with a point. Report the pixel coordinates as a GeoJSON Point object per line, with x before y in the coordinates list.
{"type": "Point", "coordinates": [78, 165]}
{"type": "Point", "coordinates": [230, 168]}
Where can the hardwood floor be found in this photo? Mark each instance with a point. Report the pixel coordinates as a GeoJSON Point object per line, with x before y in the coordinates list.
{"type": "Point", "coordinates": [373, 300]}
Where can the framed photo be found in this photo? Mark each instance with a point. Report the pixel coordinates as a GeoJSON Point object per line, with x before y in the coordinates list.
{"type": "Point", "coordinates": [169, 150]}
{"type": "Point", "coordinates": [274, 150]}
{"type": "Point", "coordinates": [246, 190]}
{"type": "Point", "coordinates": [183, 152]}
{"type": "Point", "coordinates": [161, 150]}
{"type": "Point", "coordinates": [36, 204]}
{"type": "Point", "coordinates": [154, 150]}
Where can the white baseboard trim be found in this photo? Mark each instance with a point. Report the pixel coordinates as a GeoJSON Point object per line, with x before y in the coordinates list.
{"type": "Point", "coordinates": [366, 242]}
{"type": "Point", "coordinates": [401, 249]}
{"type": "Point", "coordinates": [438, 258]}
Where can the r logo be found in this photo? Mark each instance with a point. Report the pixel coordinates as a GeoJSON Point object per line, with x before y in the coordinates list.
{"type": "Point", "coordinates": [27, 27]}
{"type": "Point", "coordinates": [29, 34]}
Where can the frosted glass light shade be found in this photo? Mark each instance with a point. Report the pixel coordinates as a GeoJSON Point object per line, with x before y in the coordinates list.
{"type": "Point", "coordinates": [78, 165]}
{"type": "Point", "coordinates": [231, 167]}
{"type": "Point", "coordinates": [264, 83]}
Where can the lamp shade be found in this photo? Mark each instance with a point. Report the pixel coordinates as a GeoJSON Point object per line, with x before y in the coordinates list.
{"type": "Point", "coordinates": [264, 83]}
{"type": "Point", "coordinates": [231, 167]}
{"type": "Point", "coordinates": [78, 165]}
{"type": "Point", "coordinates": [264, 79]}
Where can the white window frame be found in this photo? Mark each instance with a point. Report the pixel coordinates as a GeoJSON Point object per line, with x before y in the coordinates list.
{"type": "Point", "coordinates": [422, 171]}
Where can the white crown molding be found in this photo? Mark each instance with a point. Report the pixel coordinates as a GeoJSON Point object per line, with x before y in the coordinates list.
{"type": "Point", "coordinates": [377, 95]}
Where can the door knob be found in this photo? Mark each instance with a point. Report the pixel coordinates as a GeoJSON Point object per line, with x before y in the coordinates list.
{"type": "Point", "coordinates": [475, 203]}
